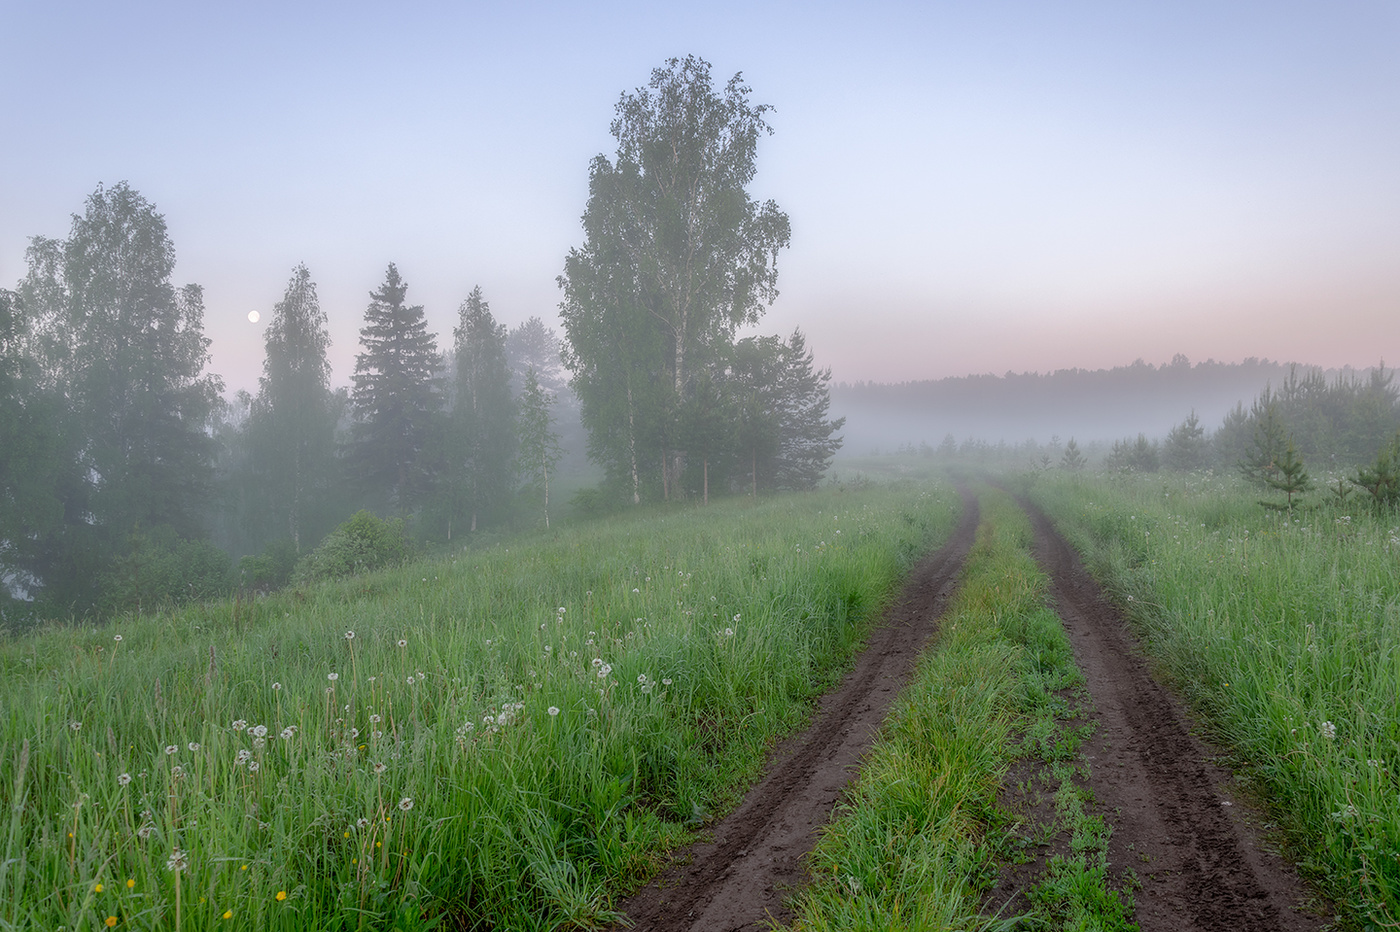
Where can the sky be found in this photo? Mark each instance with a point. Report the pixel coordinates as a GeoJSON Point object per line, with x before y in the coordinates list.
{"type": "Point", "coordinates": [973, 187]}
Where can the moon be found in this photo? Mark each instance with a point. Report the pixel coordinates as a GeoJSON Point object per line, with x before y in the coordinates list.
{"type": "Point", "coordinates": [253, 317]}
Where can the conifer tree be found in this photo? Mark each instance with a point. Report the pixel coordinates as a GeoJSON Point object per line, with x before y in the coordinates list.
{"type": "Point", "coordinates": [808, 441]}
{"type": "Point", "coordinates": [1289, 476]}
{"type": "Point", "coordinates": [539, 450]}
{"type": "Point", "coordinates": [480, 443]}
{"type": "Point", "coordinates": [1185, 448]}
{"type": "Point", "coordinates": [291, 429]}
{"type": "Point", "coordinates": [396, 398]}
{"type": "Point", "coordinates": [1073, 459]}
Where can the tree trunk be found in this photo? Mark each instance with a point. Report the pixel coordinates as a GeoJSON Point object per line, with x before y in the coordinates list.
{"type": "Point", "coordinates": [632, 447]}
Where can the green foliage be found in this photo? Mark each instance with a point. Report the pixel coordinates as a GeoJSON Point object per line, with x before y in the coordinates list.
{"type": "Point", "coordinates": [1141, 455]}
{"type": "Point", "coordinates": [1340, 422]}
{"type": "Point", "coordinates": [271, 569]}
{"type": "Point", "coordinates": [1288, 476]}
{"type": "Point", "coordinates": [290, 433]}
{"type": "Point", "coordinates": [1269, 441]}
{"type": "Point", "coordinates": [364, 542]}
{"type": "Point", "coordinates": [1283, 633]}
{"type": "Point", "coordinates": [538, 451]}
{"type": "Point", "coordinates": [677, 256]}
{"type": "Point", "coordinates": [1382, 477]}
{"type": "Point", "coordinates": [1186, 448]}
{"type": "Point", "coordinates": [1073, 459]}
{"type": "Point", "coordinates": [478, 439]}
{"type": "Point", "coordinates": [396, 398]}
{"type": "Point", "coordinates": [159, 570]}
{"type": "Point", "coordinates": [115, 356]}
{"type": "Point", "coordinates": [447, 793]}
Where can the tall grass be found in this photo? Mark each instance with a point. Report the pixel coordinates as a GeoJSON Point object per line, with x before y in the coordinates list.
{"type": "Point", "coordinates": [1285, 634]}
{"type": "Point", "coordinates": [500, 739]}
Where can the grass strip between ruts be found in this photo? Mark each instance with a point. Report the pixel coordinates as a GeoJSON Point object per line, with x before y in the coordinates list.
{"type": "Point", "coordinates": [919, 839]}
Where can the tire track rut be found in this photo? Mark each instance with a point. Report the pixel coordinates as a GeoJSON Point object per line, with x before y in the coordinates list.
{"type": "Point", "coordinates": [1177, 823]}
{"type": "Point", "coordinates": [737, 880]}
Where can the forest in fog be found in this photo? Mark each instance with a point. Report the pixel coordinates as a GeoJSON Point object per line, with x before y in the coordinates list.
{"type": "Point", "coordinates": [127, 480]}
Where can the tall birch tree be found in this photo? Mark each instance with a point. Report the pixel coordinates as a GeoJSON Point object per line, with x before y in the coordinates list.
{"type": "Point", "coordinates": [694, 256]}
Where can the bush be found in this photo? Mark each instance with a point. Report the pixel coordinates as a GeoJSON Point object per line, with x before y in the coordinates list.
{"type": "Point", "coordinates": [271, 569]}
{"type": "Point", "coordinates": [160, 568]}
{"type": "Point", "coordinates": [364, 542]}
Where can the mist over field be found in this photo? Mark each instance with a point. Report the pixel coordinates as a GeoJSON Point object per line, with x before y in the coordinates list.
{"type": "Point", "coordinates": [1098, 406]}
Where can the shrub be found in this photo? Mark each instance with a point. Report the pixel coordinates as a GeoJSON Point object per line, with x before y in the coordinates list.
{"type": "Point", "coordinates": [160, 568]}
{"type": "Point", "coordinates": [271, 569]}
{"type": "Point", "coordinates": [364, 542]}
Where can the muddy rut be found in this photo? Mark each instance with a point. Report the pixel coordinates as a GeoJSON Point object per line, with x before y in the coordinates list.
{"type": "Point", "coordinates": [1193, 847]}
{"type": "Point", "coordinates": [739, 878]}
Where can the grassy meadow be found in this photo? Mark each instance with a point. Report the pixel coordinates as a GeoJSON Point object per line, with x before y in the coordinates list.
{"type": "Point", "coordinates": [1284, 631]}
{"type": "Point", "coordinates": [504, 738]}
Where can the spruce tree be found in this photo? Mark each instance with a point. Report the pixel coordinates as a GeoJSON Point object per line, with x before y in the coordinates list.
{"type": "Point", "coordinates": [808, 436]}
{"type": "Point", "coordinates": [396, 398]}
{"type": "Point", "coordinates": [477, 479]}
{"type": "Point", "coordinates": [291, 429]}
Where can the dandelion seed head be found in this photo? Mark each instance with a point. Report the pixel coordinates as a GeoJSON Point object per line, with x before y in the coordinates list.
{"type": "Point", "coordinates": [123, 779]}
{"type": "Point", "coordinates": [332, 676]}
{"type": "Point", "coordinates": [406, 804]}
{"type": "Point", "coordinates": [193, 745]}
{"type": "Point", "coordinates": [75, 725]}
{"type": "Point", "coordinates": [117, 638]}
{"type": "Point", "coordinates": [276, 686]}
{"type": "Point", "coordinates": [288, 732]}
{"type": "Point", "coordinates": [239, 724]}
{"type": "Point", "coordinates": [177, 861]}
{"type": "Point", "coordinates": [171, 749]}
{"type": "Point", "coordinates": [403, 642]}
{"type": "Point", "coordinates": [349, 635]}
{"type": "Point", "coordinates": [258, 731]}
{"type": "Point", "coordinates": [553, 711]}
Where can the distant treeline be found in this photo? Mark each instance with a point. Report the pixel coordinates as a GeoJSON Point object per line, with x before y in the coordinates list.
{"type": "Point", "coordinates": [1099, 405]}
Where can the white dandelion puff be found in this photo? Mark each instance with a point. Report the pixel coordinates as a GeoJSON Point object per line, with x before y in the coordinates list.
{"type": "Point", "coordinates": [406, 804]}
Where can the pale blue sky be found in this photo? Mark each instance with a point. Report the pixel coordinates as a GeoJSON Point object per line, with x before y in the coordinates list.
{"type": "Point", "coordinates": [973, 187]}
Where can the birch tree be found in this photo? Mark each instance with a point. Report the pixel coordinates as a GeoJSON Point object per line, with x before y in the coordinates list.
{"type": "Point", "coordinates": [695, 256]}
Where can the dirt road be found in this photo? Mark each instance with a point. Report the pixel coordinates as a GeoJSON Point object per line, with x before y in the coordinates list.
{"type": "Point", "coordinates": [740, 877]}
{"type": "Point", "coordinates": [1191, 844]}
